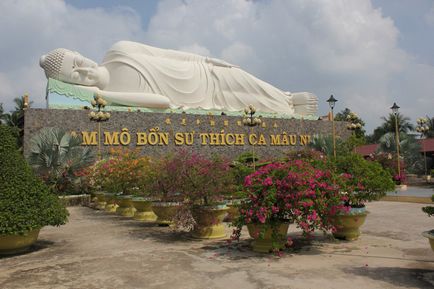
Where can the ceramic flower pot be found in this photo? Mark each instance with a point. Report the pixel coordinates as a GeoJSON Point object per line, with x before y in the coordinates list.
{"type": "Point", "coordinates": [264, 243]}
{"type": "Point", "coordinates": [348, 224]}
{"type": "Point", "coordinates": [233, 210]}
{"type": "Point", "coordinates": [100, 202]}
{"type": "Point", "coordinates": [13, 244]}
{"type": "Point", "coordinates": [144, 211]}
{"type": "Point", "coordinates": [111, 205]}
{"type": "Point", "coordinates": [165, 212]}
{"type": "Point", "coordinates": [93, 200]}
{"type": "Point", "coordinates": [126, 208]}
{"type": "Point", "coordinates": [209, 222]}
{"type": "Point", "coordinates": [430, 236]}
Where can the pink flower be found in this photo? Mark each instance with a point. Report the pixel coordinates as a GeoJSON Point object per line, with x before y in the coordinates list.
{"type": "Point", "coordinates": [275, 209]}
{"type": "Point", "coordinates": [261, 217]}
{"type": "Point", "coordinates": [248, 181]}
{"type": "Point", "coordinates": [268, 181]}
{"type": "Point", "coordinates": [312, 217]}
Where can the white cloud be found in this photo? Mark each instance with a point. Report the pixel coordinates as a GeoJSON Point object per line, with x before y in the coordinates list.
{"type": "Point", "coordinates": [347, 48]}
{"type": "Point", "coordinates": [195, 48]}
{"type": "Point", "coordinates": [29, 29]}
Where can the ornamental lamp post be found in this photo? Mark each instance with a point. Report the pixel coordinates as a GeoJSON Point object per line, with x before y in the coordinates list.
{"type": "Point", "coordinates": [99, 116]}
{"type": "Point", "coordinates": [394, 109]}
{"type": "Point", "coordinates": [332, 101]}
{"type": "Point", "coordinates": [423, 128]}
{"type": "Point", "coordinates": [251, 121]}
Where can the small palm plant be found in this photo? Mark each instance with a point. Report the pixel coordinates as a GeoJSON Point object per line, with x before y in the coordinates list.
{"type": "Point", "coordinates": [56, 155]}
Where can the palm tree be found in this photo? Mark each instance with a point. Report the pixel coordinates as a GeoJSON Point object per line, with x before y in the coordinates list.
{"type": "Point", "coordinates": [324, 144]}
{"type": "Point", "coordinates": [56, 155]}
{"type": "Point", "coordinates": [409, 147]}
{"type": "Point", "coordinates": [3, 115]}
{"type": "Point", "coordinates": [404, 126]}
{"type": "Point", "coordinates": [430, 132]}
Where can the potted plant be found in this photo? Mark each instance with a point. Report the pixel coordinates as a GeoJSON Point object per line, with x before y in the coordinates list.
{"type": "Point", "coordinates": [241, 167]}
{"type": "Point", "coordinates": [429, 210]}
{"type": "Point", "coordinates": [282, 193]}
{"type": "Point", "coordinates": [206, 182]}
{"type": "Point", "coordinates": [361, 181]}
{"type": "Point", "coordinates": [26, 203]}
{"type": "Point", "coordinates": [123, 172]}
{"type": "Point", "coordinates": [162, 182]}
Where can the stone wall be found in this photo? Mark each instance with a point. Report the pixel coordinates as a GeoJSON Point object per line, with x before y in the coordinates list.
{"type": "Point", "coordinates": [158, 133]}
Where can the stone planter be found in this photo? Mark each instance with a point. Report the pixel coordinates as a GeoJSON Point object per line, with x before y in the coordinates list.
{"type": "Point", "coordinates": [348, 224]}
{"type": "Point", "coordinates": [100, 202]}
{"type": "Point", "coordinates": [209, 222]}
{"type": "Point", "coordinates": [13, 244]}
{"type": "Point", "coordinates": [126, 208]}
{"type": "Point", "coordinates": [165, 212]}
{"type": "Point", "coordinates": [265, 243]}
{"type": "Point", "coordinates": [111, 205]}
{"type": "Point", "coordinates": [144, 211]}
{"type": "Point", "coordinates": [430, 236]}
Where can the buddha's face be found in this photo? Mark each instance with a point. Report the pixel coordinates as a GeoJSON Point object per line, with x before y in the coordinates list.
{"type": "Point", "coordinates": [70, 66]}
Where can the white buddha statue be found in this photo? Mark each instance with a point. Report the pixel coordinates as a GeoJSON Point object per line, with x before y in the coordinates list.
{"type": "Point", "coordinates": [134, 74]}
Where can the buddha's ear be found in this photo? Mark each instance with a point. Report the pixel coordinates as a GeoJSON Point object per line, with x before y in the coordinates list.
{"type": "Point", "coordinates": [42, 60]}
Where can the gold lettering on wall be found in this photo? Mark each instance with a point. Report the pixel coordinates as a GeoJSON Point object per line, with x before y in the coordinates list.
{"type": "Point", "coordinates": [89, 138]}
{"type": "Point", "coordinates": [160, 138]}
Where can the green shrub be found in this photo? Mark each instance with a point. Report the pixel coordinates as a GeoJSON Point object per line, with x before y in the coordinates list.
{"type": "Point", "coordinates": [368, 182]}
{"type": "Point", "coordinates": [25, 201]}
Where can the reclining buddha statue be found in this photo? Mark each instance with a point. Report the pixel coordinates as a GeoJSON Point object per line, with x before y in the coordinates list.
{"type": "Point", "coordinates": [135, 74]}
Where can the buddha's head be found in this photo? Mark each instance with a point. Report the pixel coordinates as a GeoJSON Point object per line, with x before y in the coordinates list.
{"type": "Point", "coordinates": [72, 67]}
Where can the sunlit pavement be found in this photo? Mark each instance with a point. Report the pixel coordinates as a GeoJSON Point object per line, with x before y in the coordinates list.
{"type": "Point", "coordinates": [99, 250]}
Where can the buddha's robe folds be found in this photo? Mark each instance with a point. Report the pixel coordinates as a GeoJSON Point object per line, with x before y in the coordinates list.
{"type": "Point", "coordinates": [193, 81]}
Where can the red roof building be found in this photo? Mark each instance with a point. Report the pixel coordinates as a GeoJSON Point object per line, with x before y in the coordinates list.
{"type": "Point", "coordinates": [426, 145]}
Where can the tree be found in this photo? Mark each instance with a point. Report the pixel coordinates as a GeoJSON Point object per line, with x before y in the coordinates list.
{"type": "Point", "coordinates": [388, 126]}
{"type": "Point", "coordinates": [356, 124]}
{"type": "Point", "coordinates": [409, 150]}
{"type": "Point", "coordinates": [3, 115]}
{"type": "Point", "coordinates": [15, 119]}
{"type": "Point", "coordinates": [430, 132]}
{"type": "Point", "coordinates": [26, 203]}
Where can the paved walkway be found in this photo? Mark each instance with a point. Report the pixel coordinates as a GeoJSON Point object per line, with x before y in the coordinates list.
{"type": "Point", "coordinates": [98, 250]}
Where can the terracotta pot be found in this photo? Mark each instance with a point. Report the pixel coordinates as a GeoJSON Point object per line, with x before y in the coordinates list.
{"type": "Point", "coordinates": [348, 224]}
{"type": "Point", "coordinates": [430, 236]}
{"type": "Point", "coordinates": [144, 211]}
{"type": "Point", "coordinates": [126, 208]}
{"type": "Point", "coordinates": [209, 222]}
{"type": "Point", "coordinates": [265, 243]}
{"type": "Point", "coordinates": [13, 244]}
{"type": "Point", "coordinates": [165, 212]}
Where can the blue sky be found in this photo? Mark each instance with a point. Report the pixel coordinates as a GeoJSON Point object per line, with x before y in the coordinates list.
{"type": "Point", "coordinates": [368, 53]}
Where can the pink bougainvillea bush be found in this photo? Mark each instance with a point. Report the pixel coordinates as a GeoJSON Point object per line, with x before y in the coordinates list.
{"type": "Point", "coordinates": [199, 179]}
{"type": "Point", "coordinates": [293, 191]}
